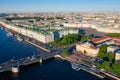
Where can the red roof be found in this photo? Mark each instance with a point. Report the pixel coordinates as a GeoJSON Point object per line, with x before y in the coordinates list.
{"type": "Point", "coordinates": [100, 40]}
{"type": "Point", "coordinates": [103, 39]}
{"type": "Point", "coordinates": [116, 38]}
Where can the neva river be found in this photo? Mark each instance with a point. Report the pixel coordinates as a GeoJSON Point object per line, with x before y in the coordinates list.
{"type": "Point", "coordinates": [53, 69]}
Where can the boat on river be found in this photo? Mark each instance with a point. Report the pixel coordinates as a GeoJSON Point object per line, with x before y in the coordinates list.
{"type": "Point", "coordinates": [75, 66]}
{"type": "Point", "coordinates": [19, 38]}
{"type": "Point", "coordinates": [9, 34]}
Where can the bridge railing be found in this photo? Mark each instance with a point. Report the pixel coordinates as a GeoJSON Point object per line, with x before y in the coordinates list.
{"type": "Point", "coordinates": [30, 59]}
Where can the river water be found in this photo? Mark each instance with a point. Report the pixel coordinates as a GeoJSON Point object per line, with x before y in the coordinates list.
{"type": "Point", "coordinates": [53, 69]}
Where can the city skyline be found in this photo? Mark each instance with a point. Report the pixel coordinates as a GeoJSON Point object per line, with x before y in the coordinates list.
{"type": "Point", "coordinates": [11, 6]}
{"type": "Point", "coordinates": [83, 34]}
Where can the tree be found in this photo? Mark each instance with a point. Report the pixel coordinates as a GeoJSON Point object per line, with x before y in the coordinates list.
{"type": "Point", "coordinates": [103, 52]}
{"type": "Point", "coordinates": [86, 37]}
{"type": "Point", "coordinates": [111, 57]}
{"type": "Point", "coordinates": [57, 40]}
{"type": "Point", "coordinates": [105, 65]}
{"type": "Point", "coordinates": [70, 39]}
{"type": "Point", "coordinates": [114, 34]}
{"type": "Point", "coordinates": [104, 55]}
{"type": "Point", "coordinates": [65, 53]}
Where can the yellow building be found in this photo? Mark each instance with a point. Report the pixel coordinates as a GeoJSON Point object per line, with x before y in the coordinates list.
{"type": "Point", "coordinates": [87, 49]}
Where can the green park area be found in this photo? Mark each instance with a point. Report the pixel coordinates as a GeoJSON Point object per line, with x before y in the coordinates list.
{"type": "Point", "coordinates": [108, 63]}
{"type": "Point", "coordinates": [71, 39]}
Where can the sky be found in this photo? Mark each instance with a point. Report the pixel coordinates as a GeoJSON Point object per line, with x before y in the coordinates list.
{"type": "Point", "coordinates": [11, 6]}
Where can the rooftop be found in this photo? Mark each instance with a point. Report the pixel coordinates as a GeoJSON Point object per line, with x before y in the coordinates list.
{"type": "Point", "coordinates": [113, 46]}
{"type": "Point", "coordinates": [100, 40]}
{"type": "Point", "coordinates": [103, 39]}
{"type": "Point", "coordinates": [89, 45]}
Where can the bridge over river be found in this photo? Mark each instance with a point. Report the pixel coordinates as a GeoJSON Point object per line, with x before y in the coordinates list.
{"type": "Point", "coordinates": [13, 65]}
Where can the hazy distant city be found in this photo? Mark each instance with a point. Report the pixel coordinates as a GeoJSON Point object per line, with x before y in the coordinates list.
{"type": "Point", "coordinates": [60, 40]}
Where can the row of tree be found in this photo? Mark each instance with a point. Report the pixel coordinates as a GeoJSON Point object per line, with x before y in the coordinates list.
{"type": "Point", "coordinates": [21, 18]}
{"type": "Point", "coordinates": [113, 68]}
{"type": "Point", "coordinates": [37, 18]}
{"type": "Point", "coordinates": [114, 34]}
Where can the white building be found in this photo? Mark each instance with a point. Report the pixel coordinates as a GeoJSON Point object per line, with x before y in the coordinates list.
{"type": "Point", "coordinates": [42, 37]}
{"type": "Point", "coordinates": [117, 56]}
{"type": "Point", "coordinates": [111, 49]}
{"type": "Point", "coordinates": [68, 31]}
{"type": "Point", "coordinates": [93, 26]}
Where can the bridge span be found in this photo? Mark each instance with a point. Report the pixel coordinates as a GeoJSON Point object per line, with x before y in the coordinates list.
{"type": "Point", "coordinates": [13, 65]}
